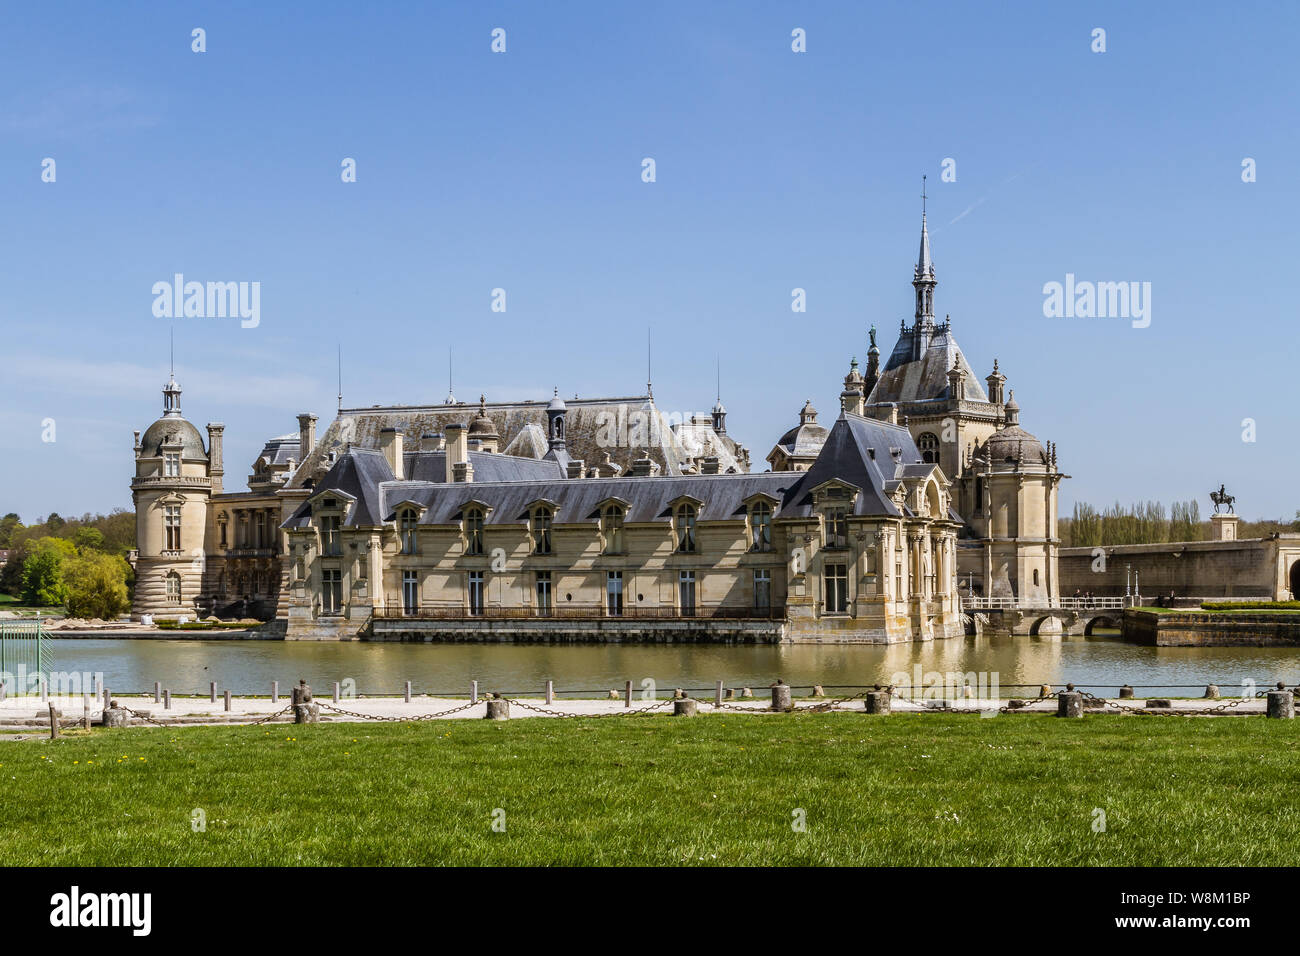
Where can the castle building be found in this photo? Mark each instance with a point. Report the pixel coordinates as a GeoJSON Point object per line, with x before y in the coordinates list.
{"type": "Point", "coordinates": [608, 519]}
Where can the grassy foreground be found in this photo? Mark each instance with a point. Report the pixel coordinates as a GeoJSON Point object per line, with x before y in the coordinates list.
{"type": "Point", "coordinates": [903, 789]}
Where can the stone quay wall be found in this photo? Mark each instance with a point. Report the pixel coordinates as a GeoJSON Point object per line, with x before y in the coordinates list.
{"type": "Point", "coordinates": [1211, 629]}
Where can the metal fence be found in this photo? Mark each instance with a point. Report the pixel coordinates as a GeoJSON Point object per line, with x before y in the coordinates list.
{"type": "Point", "coordinates": [24, 648]}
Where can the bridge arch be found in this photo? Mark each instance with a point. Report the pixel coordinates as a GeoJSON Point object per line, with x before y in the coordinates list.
{"type": "Point", "coordinates": [1101, 620]}
{"type": "Point", "coordinates": [1053, 626]}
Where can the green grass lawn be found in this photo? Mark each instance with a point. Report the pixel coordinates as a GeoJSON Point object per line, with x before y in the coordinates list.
{"type": "Point", "coordinates": [903, 789]}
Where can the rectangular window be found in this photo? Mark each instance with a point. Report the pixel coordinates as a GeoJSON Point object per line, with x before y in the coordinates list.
{"type": "Point", "coordinates": [222, 526]}
{"type": "Point", "coordinates": [331, 597]}
{"type": "Point", "coordinates": [409, 520]}
{"type": "Point", "coordinates": [476, 593]}
{"type": "Point", "coordinates": [172, 526]}
{"type": "Point", "coordinates": [410, 593]}
{"type": "Point", "coordinates": [762, 590]}
{"type": "Point", "coordinates": [542, 532]}
{"type": "Point", "coordinates": [331, 546]}
{"type": "Point", "coordinates": [686, 593]}
{"type": "Point", "coordinates": [614, 593]}
{"type": "Point", "coordinates": [259, 530]}
{"type": "Point", "coordinates": [544, 598]}
{"type": "Point", "coordinates": [837, 528]}
{"type": "Point", "coordinates": [474, 532]}
{"type": "Point", "coordinates": [837, 588]}
{"type": "Point", "coordinates": [172, 464]}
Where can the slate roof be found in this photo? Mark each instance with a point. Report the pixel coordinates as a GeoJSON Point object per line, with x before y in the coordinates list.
{"type": "Point", "coordinates": [278, 451]}
{"type": "Point", "coordinates": [589, 425]}
{"type": "Point", "coordinates": [904, 379]}
{"type": "Point", "coordinates": [859, 451]}
{"type": "Point", "coordinates": [171, 428]}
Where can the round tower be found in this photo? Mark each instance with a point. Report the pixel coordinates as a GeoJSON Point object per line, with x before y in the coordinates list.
{"type": "Point", "coordinates": [170, 490]}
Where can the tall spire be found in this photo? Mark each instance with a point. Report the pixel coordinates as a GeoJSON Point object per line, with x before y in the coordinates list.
{"type": "Point", "coordinates": [172, 391]}
{"type": "Point", "coordinates": [340, 376]}
{"type": "Point", "coordinates": [923, 276]}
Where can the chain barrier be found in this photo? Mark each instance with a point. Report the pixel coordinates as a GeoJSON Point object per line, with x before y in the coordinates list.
{"type": "Point", "coordinates": [1162, 712]}
{"type": "Point", "coordinates": [397, 719]}
{"type": "Point", "coordinates": [633, 712]}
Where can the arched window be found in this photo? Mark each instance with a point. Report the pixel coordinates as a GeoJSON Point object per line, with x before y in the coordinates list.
{"type": "Point", "coordinates": [473, 531]}
{"type": "Point", "coordinates": [407, 521]}
{"type": "Point", "coordinates": [173, 588]}
{"type": "Point", "coordinates": [686, 527]}
{"type": "Point", "coordinates": [928, 443]}
{"type": "Point", "coordinates": [542, 531]}
{"type": "Point", "coordinates": [760, 526]}
{"type": "Point", "coordinates": [611, 526]}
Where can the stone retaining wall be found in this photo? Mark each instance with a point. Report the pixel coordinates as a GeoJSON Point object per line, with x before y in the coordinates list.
{"type": "Point", "coordinates": [1210, 629]}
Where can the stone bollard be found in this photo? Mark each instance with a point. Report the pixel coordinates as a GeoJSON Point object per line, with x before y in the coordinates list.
{"type": "Point", "coordinates": [212, 691]}
{"type": "Point", "coordinates": [684, 707]}
{"type": "Point", "coordinates": [304, 710]}
{"type": "Point", "coordinates": [1212, 692]}
{"type": "Point", "coordinates": [498, 708]}
{"type": "Point", "coordinates": [275, 691]}
{"type": "Point", "coordinates": [613, 694]}
{"type": "Point", "coordinates": [227, 701]}
{"type": "Point", "coordinates": [1159, 703]}
{"type": "Point", "coordinates": [336, 692]}
{"type": "Point", "coordinates": [1281, 705]}
{"type": "Point", "coordinates": [107, 697]}
{"type": "Point", "coordinates": [550, 692]}
{"type": "Point", "coordinates": [878, 701]}
{"type": "Point", "coordinates": [54, 723]}
{"type": "Point", "coordinates": [473, 692]}
{"type": "Point", "coordinates": [781, 696]}
{"type": "Point", "coordinates": [1045, 690]}
{"type": "Point", "coordinates": [717, 693]}
{"type": "Point", "coordinates": [1069, 703]}
{"type": "Point", "coordinates": [157, 692]}
{"type": "Point", "coordinates": [408, 691]}
{"type": "Point", "coordinates": [746, 693]}
{"type": "Point", "coordinates": [818, 691]}
{"type": "Point", "coordinates": [45, 691]}
{"type": "Point", "coordinates": [627, 693]}
{"type": "Point", "coordinates": [85, 711]}
{"type": "Point", "coordinates": [1125, 692]}
{"type": "Point", "coordinates": [167, 700]}
{"type": "Point", "coordinates": [115, 716]}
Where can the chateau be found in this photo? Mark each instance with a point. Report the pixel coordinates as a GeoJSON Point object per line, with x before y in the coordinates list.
{"type": "Point", "coordinates": [603, 519]}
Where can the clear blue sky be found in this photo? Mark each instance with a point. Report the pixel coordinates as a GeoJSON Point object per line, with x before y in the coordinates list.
{"type": "Point", "coordinates": [523, 171]}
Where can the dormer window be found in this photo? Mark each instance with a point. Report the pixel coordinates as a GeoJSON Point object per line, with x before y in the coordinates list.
{"type": "Point", "coordinates": [473, 531]}
{"type": "Point", "coordinates": [611, 528]}
{"type": "Point", "coordinates": [407, 522]}
{"type": "Point", "coordinates": [760, 526]}
{"type": "Point", "coordinates": [330, 538]}
{"type": "Point", "coordinates": [835, 527]}
{"type": "Point", "coordinates": [686, 515]}
{"type": "Point", "coordinates": [542, 518]}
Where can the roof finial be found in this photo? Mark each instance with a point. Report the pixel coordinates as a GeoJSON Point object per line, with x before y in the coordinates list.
{"type": "Point", "coordinates": [340, 376]}
{"type": "Point", "coordinates": [923, 197]}
{"type": "Point", "coordinates": [649, 379]}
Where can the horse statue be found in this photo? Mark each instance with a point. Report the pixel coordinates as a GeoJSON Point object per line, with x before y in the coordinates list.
{"type": "Point", "coordinates": [1220, 498]}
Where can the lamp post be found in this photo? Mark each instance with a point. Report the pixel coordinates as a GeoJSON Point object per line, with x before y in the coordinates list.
{"type": "Point", "coordinates": [1128, 590]}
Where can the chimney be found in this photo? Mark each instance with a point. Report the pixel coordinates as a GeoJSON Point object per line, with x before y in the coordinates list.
{"type": "Point", "coordinates": [137, 444]}
{"type": "Point", "coordinates": [643, 468]}
{"type": "Point", "coordinates": [390, 443]}
{"type": "Point", "coordinates": [306, 434]}
{"type": "Point", "coordinates": [457, 447]}
{"type": "Point", "coordinates": [430, 441]}
{"type": "Point", "coordinates": [576, 468]}
{"type": "Point", "coordinates": [216, 461]}
{"type": "Point", "coordinates": [710, 466]}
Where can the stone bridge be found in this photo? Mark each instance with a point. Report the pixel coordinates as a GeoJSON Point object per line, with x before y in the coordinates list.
{"type": "Point", "coordinates": [1066, 617]}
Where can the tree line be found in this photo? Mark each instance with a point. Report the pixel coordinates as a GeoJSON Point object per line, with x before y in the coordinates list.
{"type": "Point", "coordinates": [75, 563]}
{"type": "Point", "coordinates": [1147, 522]}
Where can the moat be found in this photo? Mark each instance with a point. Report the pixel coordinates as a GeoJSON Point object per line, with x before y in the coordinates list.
{"type": "Point", "coordinates": [1100, 663]}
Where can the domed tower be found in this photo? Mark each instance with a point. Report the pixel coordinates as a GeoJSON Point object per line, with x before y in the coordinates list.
{"type": "Point", "coordinates": [1016, 484]}
{"type": "Point", "coordinates": [798, 448]}
{"type": "Point", "coordinates": [171, 490]}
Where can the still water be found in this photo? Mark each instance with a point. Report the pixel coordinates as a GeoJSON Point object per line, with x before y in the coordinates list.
{"type": "Point", "coordinates": [1100, 664]}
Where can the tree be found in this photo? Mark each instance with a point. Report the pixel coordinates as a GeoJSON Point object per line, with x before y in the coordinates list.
{"type": "Point", "coordinates": [95, 585]}
{"type": "Point", "coordinates": [8, 524]}
{"type": "Point", "coordinates": [88, 539]}
{"type": "Point", "coordinates": [43, 571]}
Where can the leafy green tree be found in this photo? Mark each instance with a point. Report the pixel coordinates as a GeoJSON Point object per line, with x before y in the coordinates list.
{"type": "Point", "coordinates": [88, 538]}
{"type": "Point", "coordinates": [95, 585]}
{"type": "Point", "coordinates": [43, 571]}
{"type": "Point", "coordinates": [8, 524]}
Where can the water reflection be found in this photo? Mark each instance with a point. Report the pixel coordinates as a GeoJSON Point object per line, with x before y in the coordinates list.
{"type": "Point", "coordinates": [250, 666]}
